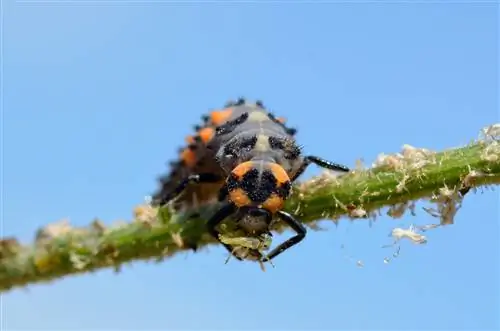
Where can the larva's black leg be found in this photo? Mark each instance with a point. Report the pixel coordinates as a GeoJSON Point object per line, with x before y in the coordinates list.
{"type": "Point", "coordinates": [215, 220]}
{"type": "Point", "coordinates": [321, 163]}
{"type": "Point", "coordinates": [197, 178]}
{"type": "Point", "coordinates": [296, 226]}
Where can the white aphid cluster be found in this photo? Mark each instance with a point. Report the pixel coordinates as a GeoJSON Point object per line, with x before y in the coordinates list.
{"type": "Point", "coordinates": [399, 209]}
{"type": "Point", "coordinates": [146, 213]}
{"type": "Point", "coordinates": [491, 136]}
{"type": "Point", "coordinates": [490, 132]}
{"type": "Point", "coordinates": [410, 157]}
{"type": "Point", "coordinates": [448, 203]}
{"type": "Point", "coordinates": [53, 230]}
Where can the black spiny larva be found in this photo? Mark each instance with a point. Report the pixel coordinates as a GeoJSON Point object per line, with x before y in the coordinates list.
{"type": "Point", "coordinates": [247, 159]}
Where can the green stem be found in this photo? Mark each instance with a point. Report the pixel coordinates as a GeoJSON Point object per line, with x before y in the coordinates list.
{"type": "Point", "coordinates": [60, 250]}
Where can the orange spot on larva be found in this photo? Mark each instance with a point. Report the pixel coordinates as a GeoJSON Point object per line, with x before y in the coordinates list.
{"type": "Point", "coordinates": [219, 117]}
{"type": "Point", "coordinates": [279, 173]}
{"type": "Point", "coordinates": [239, 197]}
{"type": "Point", "coordinates": [189, 139]}
{"type": "Point", "coordinates": [273, 203]}
{"type": "Point", "coordinates": [206, 134]}
{"type": "Point", "coordinates": [243, 168]}
{"type": "Point", "coordinates": [189, 157]}
{"type": "Point", "coordinates": [281, 120]}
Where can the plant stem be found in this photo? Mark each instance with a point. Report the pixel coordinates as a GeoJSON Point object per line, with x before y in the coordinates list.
{"type": "Point", "coordinates": [60, 250]}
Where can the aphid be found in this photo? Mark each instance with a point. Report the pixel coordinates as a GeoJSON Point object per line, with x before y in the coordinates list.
{"type": "Point", "coordinates": [249, 248]}
{"type": "Point", "coordinates": [246, 159]}
{"type": "Point", "coordinates": [260, 243]}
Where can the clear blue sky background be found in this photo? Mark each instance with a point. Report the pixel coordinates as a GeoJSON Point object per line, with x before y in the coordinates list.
{"type": "Point", "coordinates": [98, 97]}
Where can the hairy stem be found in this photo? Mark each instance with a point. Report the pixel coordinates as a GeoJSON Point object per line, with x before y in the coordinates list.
{"type": "Point", "coordinates": [394, 181]}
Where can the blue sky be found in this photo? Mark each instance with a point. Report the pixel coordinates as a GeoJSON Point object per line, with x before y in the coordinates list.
{"type": "Point", "coordinates": [98, 97]}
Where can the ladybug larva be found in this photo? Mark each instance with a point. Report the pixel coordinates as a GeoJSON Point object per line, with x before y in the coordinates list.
{"type": "Point", "coordinates": [245, 158]}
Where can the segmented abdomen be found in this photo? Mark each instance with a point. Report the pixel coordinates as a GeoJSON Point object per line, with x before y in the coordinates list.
{"type": "Point", "coordinates": [241, 129]}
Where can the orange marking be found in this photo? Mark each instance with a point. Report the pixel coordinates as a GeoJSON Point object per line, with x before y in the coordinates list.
{"type": "Point", "coordinates": [282, 120]}
{"type": "Point", "coordinates": [239, 197]}
{"type": "Point", "coordinates": [219, 117]}
{"type": "Point", "coordinates": [189, 157]}
{"type": "Point", "coordinates": [279, 173]}
{"type": "Point", "coordinates": [274, 203]}
{"type": "Point", "coordinates": [189, 139]}
{"type": "Point", "coordinates": [242, 169]}
{"type": "Point", "coordinates": [206, 134]}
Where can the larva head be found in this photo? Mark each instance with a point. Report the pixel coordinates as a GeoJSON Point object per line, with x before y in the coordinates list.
{"type": "Point", "coordinates": [259, 184]}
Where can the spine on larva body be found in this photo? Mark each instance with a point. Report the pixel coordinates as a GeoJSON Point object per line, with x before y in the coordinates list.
{"type": "Point", "coordinates": [227, 137]}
